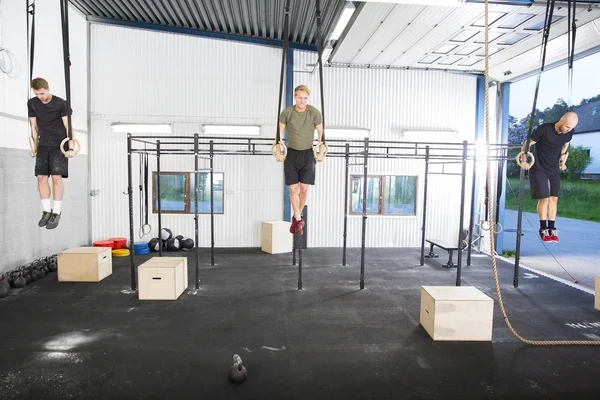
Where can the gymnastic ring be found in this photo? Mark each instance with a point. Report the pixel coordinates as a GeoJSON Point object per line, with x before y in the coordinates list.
{"type": "Point", "coordinates": [483, 228]}
{"type": "Point", "coordinates": [143, 232]}
{"type": "Point", "coordinates": [32, 146]}
{"type": "Point", "coordinates": [276, 150]}
{"type": "Point", "coordinates": [497, 232]}
{"type": "Point", "coordinates": [323, 148]}
{"type": "Point", "coordinates": [525, 164]}
{"type": "Point", "coordinates": [70, 153]}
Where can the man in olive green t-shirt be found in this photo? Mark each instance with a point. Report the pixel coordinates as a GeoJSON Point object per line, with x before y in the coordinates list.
{"type": "Point", "coordinates": [301, 120]}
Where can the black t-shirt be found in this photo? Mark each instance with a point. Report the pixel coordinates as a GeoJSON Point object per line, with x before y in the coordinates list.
{"type": "Point", "coordinates": [548, 146]}
{"type": "Point", "coordinates": [51, 130]}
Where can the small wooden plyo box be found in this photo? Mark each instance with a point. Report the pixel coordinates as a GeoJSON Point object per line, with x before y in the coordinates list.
{"type": "Point", "coordinates": [84, 264]}
{"type": "Point", "coordinates": [162, 278]}
{"type": "Point", "coordinates": [456, 313]}
{"type": "Point", "coordinates": [597, 294]}
{"type": "Point", "coordinates": [276, 237]}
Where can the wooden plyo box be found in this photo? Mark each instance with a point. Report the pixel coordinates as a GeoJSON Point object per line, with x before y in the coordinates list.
{"type": "Point", "coordinates": [162, 278]}
{"type": "Point", "coordinates": [84, 264]}
{"type": "Point", "coordinates": [597, 294]}
{"type": "Point", "coordinates": [276, 237]}
{"type": "Point", "coordinates": [456, 313]}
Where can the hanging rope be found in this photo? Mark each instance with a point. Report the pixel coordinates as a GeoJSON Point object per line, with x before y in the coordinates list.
{"type": "Point", "coordinates": [64, 20]}
{"type": "Point", "coordinates": [31, 50]}
{"type": "Point", "coordinates": [322, 147]}
{"type": "Point", "coordinates": [145, 228]}
{"type": "Point", "coordinates": [279, 149]}
{"type": "Point", "coordinates": [571, 31]}
{"type": "Point", "coordinates": [530, 160]}
{"type": "Point", "coordinates": [490, 209]}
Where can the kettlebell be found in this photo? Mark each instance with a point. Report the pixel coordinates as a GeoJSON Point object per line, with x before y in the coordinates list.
{"type": "Point", "coordinates": [4, 288]}
{"type": "Point", "coordinates": [237, 372]}
{"type": "Point", "coordinates": [19, 282]}
{"type": "Point", "coordinates": [52, 267]}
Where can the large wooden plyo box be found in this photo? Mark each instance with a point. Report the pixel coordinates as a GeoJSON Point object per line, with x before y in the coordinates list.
{"type": "Point", "coordinates": [456, 313]}
{"type": "Point", "coordinates": [84, 264]}
{"type": "Point", "coordinates": [162, 278]}
{"type": "Point", "coordinates": [597, 294]}
{"type": "Point", "coordinates": [276, 237]}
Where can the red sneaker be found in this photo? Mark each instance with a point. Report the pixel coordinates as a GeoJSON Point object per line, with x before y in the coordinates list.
{"type": "Point", "coordinates": [293, 225]}
{"type": "Point", "coordinates": [553, 235]}
{"type": "Point", "coordinates": [299, 226]}
{"type": "Point", "coordinates": [545, 235]}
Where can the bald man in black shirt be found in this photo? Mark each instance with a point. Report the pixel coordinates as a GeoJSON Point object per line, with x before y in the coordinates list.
{"type": "Point", "coordinates": [551, 152]}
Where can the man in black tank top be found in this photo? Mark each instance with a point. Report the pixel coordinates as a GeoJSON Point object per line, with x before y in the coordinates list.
{"type": "Point", "coordinates": [48, 117]}
{"type": "Point", "coordinates": [551, 151]}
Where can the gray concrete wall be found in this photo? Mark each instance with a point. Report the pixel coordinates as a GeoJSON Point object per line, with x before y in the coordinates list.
{"type": "Point", "coordinates": [21, 240]}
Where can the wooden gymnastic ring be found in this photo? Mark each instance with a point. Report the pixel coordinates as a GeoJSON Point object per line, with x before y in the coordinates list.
{"type": "Point", "coordinates": [70, 153]}
{"type": "Point", "coordinates": [321, 152]}
{"type": "Point", "coordinates": [525, 164]}
{"type": "Point", "coordinates": [276, 150]}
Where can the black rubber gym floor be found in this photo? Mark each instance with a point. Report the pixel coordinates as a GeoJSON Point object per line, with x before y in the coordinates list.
{"type": "Point", "coordinates": [328, 341]}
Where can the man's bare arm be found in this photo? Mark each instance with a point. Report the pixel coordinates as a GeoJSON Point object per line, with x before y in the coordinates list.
{"type": "Point", "coordinates": [320, 132]}
{"type": "Point", "coordinates": [281, 130]}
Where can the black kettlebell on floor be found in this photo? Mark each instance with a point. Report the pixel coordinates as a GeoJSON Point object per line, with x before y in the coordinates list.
{"type": "Point", "coordinates": [237, 373]}
{"type": "Point", "coordinates": [19, 282]}
{"type": "Point", "coordinates": [4, 288]}
{"type": "Point", "coordinates": [52, 266]}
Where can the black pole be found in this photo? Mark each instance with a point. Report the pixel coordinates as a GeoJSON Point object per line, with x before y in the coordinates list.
{"type": "Point", "coordinates": [160, 241]}
{"type": "Point", "coordinates": [212, 207]}
{"type": "Point", "coordinates": [519, 223]}
{"type": "Point", "coordinates": [300, 261]}
{"type": "Point", "coordinates": [294, 246]}
{"type": "Point", "coordinates": [473, 205]}
{"type": "Point", "coordinates": [346, 202]}
{"type": "Point", "coordinates": [463, 184]}
{"type": "Point", "coordinates": [130, 193]}
{"type": "Point", "coordinates": [424, 205]}
{"type": "Point", "coordinates": [196, 210]}
{"type": "Point", "coordinates": [364, 215]}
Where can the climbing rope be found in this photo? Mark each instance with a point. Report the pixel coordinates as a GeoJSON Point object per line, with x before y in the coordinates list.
{"type": "Point", "coordinates": [490, 212]}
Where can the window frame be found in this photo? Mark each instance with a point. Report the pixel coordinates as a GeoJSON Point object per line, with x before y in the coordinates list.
{"type": "Point", "coordinates": [187, 196]}
{"type": "Point", "coordinates": [382, 187]}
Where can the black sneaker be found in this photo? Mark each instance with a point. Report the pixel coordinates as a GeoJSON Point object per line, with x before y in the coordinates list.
{"type": "Point", "coordinates": [45, 217]}
{"type": "Point", "coordinates": [53, 221]}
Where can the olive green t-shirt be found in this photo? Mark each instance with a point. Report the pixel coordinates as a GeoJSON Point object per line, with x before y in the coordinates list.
{"type": "Point", "coordinates": [300, 126]}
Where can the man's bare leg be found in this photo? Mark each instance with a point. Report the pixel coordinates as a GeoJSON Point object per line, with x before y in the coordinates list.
{"type": "Point", "coordinates": [44, 189]}
{"type": "Point", "coordinates": [552, 208]}
{"type": "Point", "coordinates": [58, 189]}
{"type": "Point", "coordinates": [295, 200]}
{"type": "Point", "coordinates": [542, 209]}
{"type": "Point", "coordinates": [303, 196]}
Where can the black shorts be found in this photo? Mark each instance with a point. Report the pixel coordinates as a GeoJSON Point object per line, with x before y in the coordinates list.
{"type": "Point", "coordinates": [299, 167]}
{"type": "Point", "coordinates": [543, 184]}
{"type": "Point", "coordinates": [51, 161]}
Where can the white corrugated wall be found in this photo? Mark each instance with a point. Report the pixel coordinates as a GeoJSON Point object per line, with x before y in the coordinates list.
{"type": "Point", "coordinates": [388, 102]}
{"type": "Point", "coordinates": [143, 76]}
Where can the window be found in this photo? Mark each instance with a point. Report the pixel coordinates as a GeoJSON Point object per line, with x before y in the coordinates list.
{"type": "Point", "coordinates": [539, 24]}
{"type": "Point", "coordinates": [515, 20]}
{"type": "Point", "coordinates": [386, 195]}
{"type": "Point", "coordinates": [177, 193]}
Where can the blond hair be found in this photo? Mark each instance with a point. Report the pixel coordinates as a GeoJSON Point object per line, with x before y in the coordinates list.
{"type": "Point", "coordinates": [302, 88]}
{"type": "Point", "coordinates": [39, 83]}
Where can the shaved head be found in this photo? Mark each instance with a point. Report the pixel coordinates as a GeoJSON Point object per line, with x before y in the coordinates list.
{"type": "Point", "coordinates": [567, 123]}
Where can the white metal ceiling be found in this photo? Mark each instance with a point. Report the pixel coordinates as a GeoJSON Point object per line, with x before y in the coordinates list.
{"type": "Point", "coordinates": [411, 36]}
